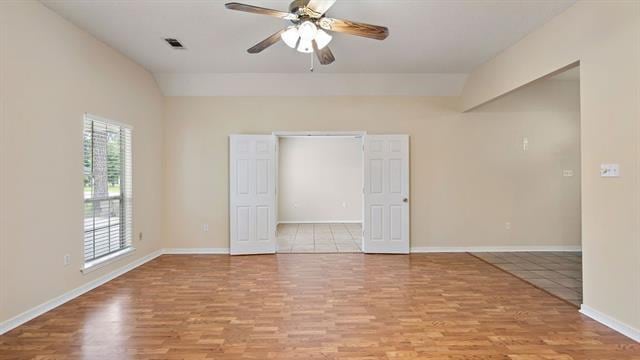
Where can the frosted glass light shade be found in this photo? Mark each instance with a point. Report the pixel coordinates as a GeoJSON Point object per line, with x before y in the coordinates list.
{"type": "Point", "coordinates": [305, 46]}
{"type": "Point", "coordinates": [307, 30]}
{"type": "Point", "coordinates": [323, 39]}
{"type": "Point", "coordinates": [290, 37]}
{"type": "Point", "coordinates": [300, 37]}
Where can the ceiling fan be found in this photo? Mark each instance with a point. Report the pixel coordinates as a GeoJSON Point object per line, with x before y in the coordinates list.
{"type": "Point", "coordinates": [308, 22]}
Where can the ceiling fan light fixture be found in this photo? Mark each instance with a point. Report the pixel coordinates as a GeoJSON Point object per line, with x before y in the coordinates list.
{"type": "Point", "coordinates": [305, 46]}
{"type": "Point", "coordinates": [290, 37]}
{"type": "Point", "coordinates": [307, 31]}
{"type": "Point", "coordinates": [323, 39]}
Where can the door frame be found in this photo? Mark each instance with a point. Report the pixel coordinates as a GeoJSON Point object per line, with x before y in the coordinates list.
{"type": "Point", "coordinates": [303, 134]}
{"type": "Point", "coordinates": [317, 133]}
{"type": "Point", "coordinates": [276, 135]}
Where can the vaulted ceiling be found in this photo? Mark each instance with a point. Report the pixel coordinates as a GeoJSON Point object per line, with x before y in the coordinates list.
{"type": "Point", "coordinates": [427, 36]}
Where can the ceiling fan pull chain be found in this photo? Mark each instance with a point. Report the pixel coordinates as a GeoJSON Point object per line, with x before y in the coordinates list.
{"type": "Point", "coordinates": [311, 69]}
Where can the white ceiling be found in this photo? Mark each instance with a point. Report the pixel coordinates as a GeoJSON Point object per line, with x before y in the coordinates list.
{"type": "Point", "coordinates": [427, 36]}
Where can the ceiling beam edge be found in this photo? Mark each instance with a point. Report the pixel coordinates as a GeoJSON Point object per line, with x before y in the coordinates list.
{"type": "Point", "coordinates": [310, 84]}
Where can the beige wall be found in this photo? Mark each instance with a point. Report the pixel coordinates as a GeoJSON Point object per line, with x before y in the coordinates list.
{"type": "Point", "coordinates": [469, 175]}
{"type": "Point", "coordinates": [50, 74]}
{"type": "Point", "coordinates": [320, 179]}
{"type": "Point", "coordinates": [605, 37]}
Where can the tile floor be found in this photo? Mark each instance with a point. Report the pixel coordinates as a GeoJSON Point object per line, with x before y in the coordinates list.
{"type": "Point", "coordinates": [319, 238]}
{"type": "Point", "coordinates": [559, 273]}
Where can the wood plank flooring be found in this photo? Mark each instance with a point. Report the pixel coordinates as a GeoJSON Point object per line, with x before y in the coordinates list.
{"type": "Point", "coordinates": [316, 306]}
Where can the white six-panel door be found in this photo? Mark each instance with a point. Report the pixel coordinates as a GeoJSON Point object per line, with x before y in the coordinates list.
{"type": "Point", "coordinates": [386, 194]}
{"type": "Point", "coordinates": [252, 194]}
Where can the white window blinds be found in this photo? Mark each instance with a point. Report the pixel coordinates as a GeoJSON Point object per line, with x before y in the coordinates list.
{"type": "Point", "coordinates": [108, 189]}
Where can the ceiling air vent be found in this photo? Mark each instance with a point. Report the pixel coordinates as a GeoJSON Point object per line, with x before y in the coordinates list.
{"type": "Point", "coordinates": [174, 43]}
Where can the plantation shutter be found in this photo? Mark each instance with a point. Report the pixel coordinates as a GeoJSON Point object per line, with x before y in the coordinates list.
{"type": "Point", "coordinates": [108, 195]}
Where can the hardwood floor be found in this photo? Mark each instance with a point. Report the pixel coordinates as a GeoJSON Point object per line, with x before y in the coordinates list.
{"type": "Point", "coordinates": [316, 306]}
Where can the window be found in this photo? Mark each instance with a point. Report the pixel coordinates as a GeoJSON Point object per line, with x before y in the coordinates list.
{"type": "Point", "coordinates": [107, 189]}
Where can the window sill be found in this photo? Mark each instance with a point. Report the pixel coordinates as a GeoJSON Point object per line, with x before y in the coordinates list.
{"type": "Point", "coordinates": [102, 262]}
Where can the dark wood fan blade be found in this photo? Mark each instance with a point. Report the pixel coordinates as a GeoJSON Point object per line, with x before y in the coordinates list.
{"type": "Point", "coordinates": [266, 43]}
{"type": "Point", "coordinates": [324, 55]}
{"type": "Point", "coordinates": [260, 10]}
{"type": "Point", "coordinates": [316, 8]}
{"type": "Point", "coordinates": [355, 28]}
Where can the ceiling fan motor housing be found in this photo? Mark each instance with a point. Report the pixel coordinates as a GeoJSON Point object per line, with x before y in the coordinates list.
{"type": "Point", "coordinates": [297, 5]}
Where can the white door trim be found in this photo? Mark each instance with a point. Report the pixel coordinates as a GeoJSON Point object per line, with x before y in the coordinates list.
{"type": "Point", "coordinates": [318, 133]}
{"type": "Point", "coordinates": [306, 134]}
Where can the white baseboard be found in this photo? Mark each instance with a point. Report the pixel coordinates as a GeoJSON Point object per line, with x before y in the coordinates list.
{"type": "Point", "coordinates": [322, 222]}
{"type": "Point", "coordinates": [70, 295]}
{"type": "Point", "coordinates": [610, 322]}
{"type": "Point", "coordinates": [182, 251]}
{"type": "Point", "coordinates": [439, 249]}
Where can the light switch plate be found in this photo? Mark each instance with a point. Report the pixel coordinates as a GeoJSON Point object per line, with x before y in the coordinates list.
{"type": "Point", "coordinates": [567, 173]}
{"type": "Point", "coordinates": [609, 170]}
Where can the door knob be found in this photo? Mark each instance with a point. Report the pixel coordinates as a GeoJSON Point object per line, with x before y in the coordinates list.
{"type": "Point", "coordinates": [405, 200]}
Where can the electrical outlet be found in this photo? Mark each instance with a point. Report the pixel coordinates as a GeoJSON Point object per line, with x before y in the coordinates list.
{"type": "Point", "coordinates": [140, 236]}
{"type": "Point", "coordinates": [205, 227]}
{"type": "Point", "coordinates": [507, 226]}
{"type": "Point", "coordinates": [67, 259]}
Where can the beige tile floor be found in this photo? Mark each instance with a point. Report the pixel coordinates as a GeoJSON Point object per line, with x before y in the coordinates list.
{"type": "Point", "coordinates": [319, 238]}
{"type": "Point", "coordinates": [559, 273]}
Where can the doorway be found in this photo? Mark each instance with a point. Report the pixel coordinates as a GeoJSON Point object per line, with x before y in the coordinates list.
{"type": "Point", "coordinates": [254, 194]}
{"type": "Point", "coordinates": [554, 265]}
{"type": "Point", "coordinates": [320, 193]}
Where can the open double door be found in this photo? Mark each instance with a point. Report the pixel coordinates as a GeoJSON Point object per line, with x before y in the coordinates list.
{"type": "Point", "coordinates": [253, 194]}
